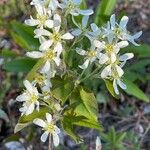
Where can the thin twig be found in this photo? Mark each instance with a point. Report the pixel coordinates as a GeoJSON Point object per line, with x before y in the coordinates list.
{"type": "Point", "coordinates": [50, 143]}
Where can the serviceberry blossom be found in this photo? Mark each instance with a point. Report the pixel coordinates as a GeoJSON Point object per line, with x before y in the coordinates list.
{"type": "Point", "coordinates": [50, 4]}
{"type": "Point", "coordinates": [43, 18]}
{"type": "Point", "coordinates": [49, 56]}
{"type": "Point", "coordinates": [29, 98]}
{"type": "Point", "coordinates": [111, 48]}
{"type": "Point", "coordinates": [120, 30]}
{"type": "Point", "coordinates": [91, 56]}
{"type": "Point", "coordinates": [73, 7]}
{"type": "Point", "coordinates": [56, 37]}
{"type": "Point", "coordinates": [49, 128]}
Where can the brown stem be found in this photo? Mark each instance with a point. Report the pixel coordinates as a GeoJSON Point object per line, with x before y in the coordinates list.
{"type": "Point", "coordinates": [50, 142]}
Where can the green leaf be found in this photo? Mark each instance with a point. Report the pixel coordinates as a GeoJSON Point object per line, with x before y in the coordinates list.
{"type": "Point", "coordinates": [62, 88]}
{"type": "Point", "coordinates": [20, 126]}
{"type": "Point", "coordinates": [86, 104]}
{"type": "Point", "coordinates": [19, 65]}
{"type": "Point", "coordinates": [7, 53]}
{"type": "Point", "coordinates": [132, 89]}
{"type": "Point", "coordinates": [104, 10]}
{"type": "Point", "coordinates": [24, 36]}
{"type": "Point", "coordinates": [31, 75]}
{"type": "Point", "coordinates": [69, 129]}
{"type": "Point", "coordinates": [142, 51]}
{"type": "Point", "coordinates": [34, 115]}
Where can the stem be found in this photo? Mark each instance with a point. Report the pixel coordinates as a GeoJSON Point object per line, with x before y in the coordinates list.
{"type": "Point", "coordinates": [50, 142]}
{"type": "Point", "coordinates": [93, 73]}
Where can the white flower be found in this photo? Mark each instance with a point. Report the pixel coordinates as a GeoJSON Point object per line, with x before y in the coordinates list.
{"type": "Point", "coordinates": [73, 7]}
{"type": "Point", "coordinates": [55, 37]}
{"type": "Point", "coordinates": [49, 128]}
{"type": "Point", "coordinates": [49, 57]}
{"type": "Point", "coordinates": [91, 56]}
{"type": "Point", "coordinates": [111, 49]}
{"type": "Point", "coordinates": [51, 4]}
{"type": "Point", "coordinates": [120, 30]}
{"type": "Point", "coordinates": [42, 18]}
{"type": "Point", "coordinates": [114, 70]}
{"type": "Point", "coordinates": [29, 98]}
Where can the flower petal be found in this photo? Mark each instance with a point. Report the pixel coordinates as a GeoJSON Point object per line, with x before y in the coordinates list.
{"type": "Point", "coordinates": [55, 139]}
{"type": "Point", "coordinates": [34, 54]}
{"type": "Point", "coordinates": [45, 45]}
{"type": "Point", "coordinates": [48, 117]}
{"type": "Point", "coordinates": [49, 23]}
{"type": "Point", "coordinates": [80, 51]}
{"type": "Point", "coordinates": [46, 67]}
{"type": "Point", "coordinates": [39, 122]}
{"type": "Point", "coordinates": [115, 87]}
{"type": "Point", "coordinates": [28, 85]}
{"type": "Point", "coordinates": [67, 36]}
{"type": "Point", "coordinates": [44, 136]}
{"type": "Point", "coordinates": [106, 72]}
{"type": "Point", "coordinates": [85, 65]}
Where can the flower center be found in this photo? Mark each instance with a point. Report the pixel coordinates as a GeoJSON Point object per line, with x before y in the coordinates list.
{"type": "Point", "coordinates": [109, 48]}
{"type": "Point", "coordinates": [50, 127]}
{"type": "Point", "coordinates": [33, 98]}
{"type": "Point", "coordinates": [49, 55]}
{"type": "Point", "coordinates": [91, 53]}
{"type": "Point", "coordinates": [117, 31]}
{"type": "Point", "coordinates": [42, 19]}
{"type": "Point", "coordinates": [56, 37]}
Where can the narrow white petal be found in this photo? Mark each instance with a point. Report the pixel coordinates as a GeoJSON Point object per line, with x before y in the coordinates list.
{"type": "Point", "coordinates": [44, 136]}
{"type": "Point", "coordinates": [30, 109]}
{"type": "Point", "coordinates": [39, 122]}
{"type": "Point", "coordinates": [57, 18]}
{"type": "Point", "coordinates": [121, 84]}
{"type": "Point", "coordinates": [119, 71]}
{"type": "Point", "coordinates": [31, 22]}
{"type": "Point", "coordinates": [58, 48]}
{"type": "Point", "coordinates": [85, 21]}
{"type": "Point", "coordinates": [57, 130]}
{"type": "Point", "coordinates": [115, 87]}
{"type": "Point", "coordinates": [41, 32]}
{"type": "Point", "coordinates": [49, 23]}
{"type": "Point", "coordinates": [126, 56]}
{"type": "Point", "coordinates": [23, 97]}
{"type": "Point", "coordinates": [85, 65]}
{"type": "Point", "coordinates": [34, 54]}
{"type": "Point", "coordinates": [123, 22]}
{"type": "Point", "coordinates": [106, 72]}
{"type": "Point", "coordinates": [122, 44]}
{"type": "Point", "coordinates": [28, 85]}
{"type": "Point", "coordinates": [57, 61]}
{"type": "Point", "coordinates": [102, 58]}
{"type": "Point", "coordinates": [80, 51]}
{"type": "Point", "coordinates": [45, 45]}
{"type": "Point", "coordinates": [113, 21]}
{"type": "Point", "coordinates": [113, 57]}
{"type": "Point", "coordinates": [67, 36]}
{"type": "Point", "coordinates": [48, 117]}
{"type": "Point", "coordinates": [87, 12]}
{"type": "Point", "coordinates": [46, 67]}
{"type": "Point", "coordinates": [76, 32]}
{"type": "Point", "coordinates": [55, 139]}
{"type": "Point", "coordinates": [98, 44]}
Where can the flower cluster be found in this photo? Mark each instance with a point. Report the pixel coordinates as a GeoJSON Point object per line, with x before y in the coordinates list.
{"type": "Point", "coordinates": [105, 50]}
{"type": "Point", "coordinates": [51, 30]}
